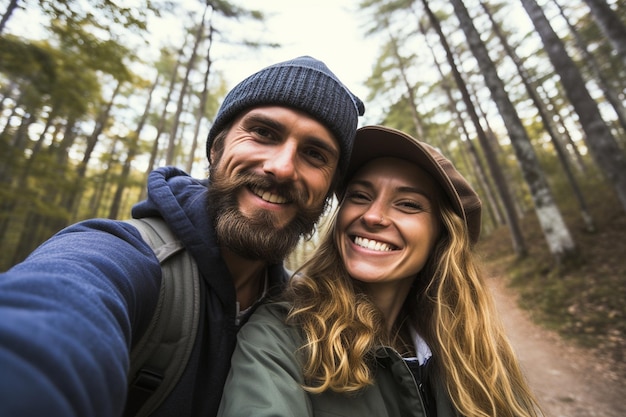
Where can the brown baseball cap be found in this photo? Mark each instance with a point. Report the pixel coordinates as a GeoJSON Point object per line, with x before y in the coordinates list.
{"type": "Point", "coordinates": [379, 141]}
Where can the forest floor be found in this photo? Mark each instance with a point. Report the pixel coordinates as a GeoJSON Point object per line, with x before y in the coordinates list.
{"type": "Point", "coordinates": [567, 322]}
{"type": "Point", "coordinates": [569, 381]}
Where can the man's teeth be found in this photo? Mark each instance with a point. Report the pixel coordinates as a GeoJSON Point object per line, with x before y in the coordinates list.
{"type": "Point", "coordinates": [267, 196]}
{"type": "Point", "coordinates": [372, 244]}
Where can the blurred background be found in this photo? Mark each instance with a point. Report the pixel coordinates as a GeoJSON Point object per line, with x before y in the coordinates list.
{"type": "Point", "coordinates": [526, 97]}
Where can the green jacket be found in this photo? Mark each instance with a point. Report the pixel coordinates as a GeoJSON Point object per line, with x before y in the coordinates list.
{"type": "Point", "coordinates": [266, 376]}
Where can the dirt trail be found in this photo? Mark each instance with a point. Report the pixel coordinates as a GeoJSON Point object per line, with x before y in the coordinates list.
{"type": "Point", "coordinates": [569, 382]}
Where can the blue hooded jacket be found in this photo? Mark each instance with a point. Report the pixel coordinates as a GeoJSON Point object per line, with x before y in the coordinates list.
{"type": "Point", "coordinates": [71, 311]}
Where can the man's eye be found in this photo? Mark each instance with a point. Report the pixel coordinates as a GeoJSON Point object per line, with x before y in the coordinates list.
{"type": "Point", "coordinates": [317, 155]}
{"type": "Point", "coordinates": [262, 132]}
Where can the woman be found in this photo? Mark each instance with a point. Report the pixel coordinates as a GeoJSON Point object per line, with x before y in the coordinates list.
{"type": "Point", "coordinates": [391, 316]}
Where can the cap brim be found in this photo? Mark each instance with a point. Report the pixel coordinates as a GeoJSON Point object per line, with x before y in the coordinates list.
{"type": "Point", "coordinates": [373, 142]}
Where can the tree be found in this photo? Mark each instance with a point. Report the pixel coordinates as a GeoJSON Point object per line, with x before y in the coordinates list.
{"type": "Point", "coordinates": [610, 24]}
{"type": "Point", "coordinates": [496, 172]}
{"type": "Point", "coordinates": [13, 4]}
{"type": "Point", "coordinates": [555, 230]}
{"type": "Point", "coordinates": [612, 96]}
{"type": "Point", "coordinates": [476, 162]}
{"type": "Point", "coordinates": [203, 99]}
{"type": "Point", "coordinates": [545, 119]}
{"type": "Point", "coordinates": [198, 38]}
{"type": "Point", "coordinates": [603, 146]}
{"type": "Point", "coordinates": [102, 14]}
{"type": "Point", "coordinates": [161, 123]}
{"type": "Point", "coordinates": [133, 149]}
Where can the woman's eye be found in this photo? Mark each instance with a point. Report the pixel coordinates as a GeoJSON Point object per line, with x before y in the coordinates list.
{"type": "Point", "coordinates": [356, 195]}
{"type": "Point", "coordinates": [412, 205]}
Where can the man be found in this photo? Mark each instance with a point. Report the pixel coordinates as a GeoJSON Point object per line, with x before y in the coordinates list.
{"type": "Point", "coordinates": [70, 313]}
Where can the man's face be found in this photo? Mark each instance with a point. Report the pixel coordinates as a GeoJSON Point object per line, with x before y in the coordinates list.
{"type": "Point", "coordinates": [270, 181]}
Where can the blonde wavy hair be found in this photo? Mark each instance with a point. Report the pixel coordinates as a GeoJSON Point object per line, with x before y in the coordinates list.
{"type": "Point", "coordinates": [449, 304]}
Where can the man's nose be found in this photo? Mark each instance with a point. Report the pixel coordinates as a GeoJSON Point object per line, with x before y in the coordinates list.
{"type": "Point", "coordinates": [282, 163]}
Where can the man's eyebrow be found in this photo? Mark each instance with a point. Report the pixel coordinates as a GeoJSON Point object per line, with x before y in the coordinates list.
{"type": "Point", "coordinates": [268, 121]}
{"type": "Point", "coordinates": [323, 144]}
{"type": "Point", "coordinates": [274, 124]}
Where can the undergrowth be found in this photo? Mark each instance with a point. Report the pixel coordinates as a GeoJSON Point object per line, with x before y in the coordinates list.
{"type": "Point", "coordinates": [583, 298]}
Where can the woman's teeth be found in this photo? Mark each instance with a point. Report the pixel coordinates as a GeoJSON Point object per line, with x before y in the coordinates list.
{"type": "Point", "coordinates": [372, 244]}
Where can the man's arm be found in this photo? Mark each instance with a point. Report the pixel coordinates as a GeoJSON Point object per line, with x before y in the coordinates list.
{"type": "Point", "coordinates": [68, 315]}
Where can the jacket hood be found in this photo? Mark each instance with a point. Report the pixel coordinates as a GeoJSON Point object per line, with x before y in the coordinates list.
{"type": "Point", "coordinates": [181, 201]}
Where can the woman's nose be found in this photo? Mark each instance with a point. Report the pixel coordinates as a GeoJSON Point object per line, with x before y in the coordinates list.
{"type": "Point", "coordinates": [375, 215]}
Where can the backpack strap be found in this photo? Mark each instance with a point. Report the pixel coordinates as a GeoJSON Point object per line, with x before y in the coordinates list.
{"type": "Point", "coordinates": [159, 358]}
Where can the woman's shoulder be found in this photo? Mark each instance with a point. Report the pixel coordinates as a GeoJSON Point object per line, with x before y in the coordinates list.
{"type": "Point", "coordinates": [270, 321]}
{"type": "Point", "coordinates": [273, 311]}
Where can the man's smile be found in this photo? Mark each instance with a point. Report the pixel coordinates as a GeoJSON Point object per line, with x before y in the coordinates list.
{"type": "Point", "coordinates": [268, 196]}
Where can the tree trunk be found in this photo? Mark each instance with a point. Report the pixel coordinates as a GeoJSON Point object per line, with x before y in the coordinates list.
{"type": "Point", "coordinates": [71, 199]}
{"type": "Point", "coordinates": [600, 141]}
{"type": "Point", "coordinates": [555, 230]}
{"type": "Point", "coordinates": [612, 96]}
{"type": "Point", "coordinates": [555, 115]}
{"type": "Point", "coordinates": [519, 245]}
{"type": "Point", "coordinates": [133, 148]}
{"type": "Point", "coordinates": [169, 158]}
{"type": "Point", "coordinates": [162, 120]}
{"type": "Point", "coordinates": [13, 4]}
{"type": "Point", "coordinates": [610, 24]}
{"type": "Point", "coordinates": [93, 138]}
{"type": "Point", "coordinates": [557, 141]}
{"type": "Point", "coordinates": [417, 120]}
{"type": "Point", "coordinates": [479, 169]}
{"type": "Point", "coordinates": [203, 98]}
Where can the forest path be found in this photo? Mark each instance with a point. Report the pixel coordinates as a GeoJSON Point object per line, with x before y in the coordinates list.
{"type": "Point", "coordinates": [568, 381]}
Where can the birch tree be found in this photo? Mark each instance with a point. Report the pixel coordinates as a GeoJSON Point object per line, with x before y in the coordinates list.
{"type": "Point", "coordinates": [545, 119]}
{"type": "Point", "coordinates": [555, 230]}
{"type": "Point", "coordinates": [608, 155]}
{"type": "Point", "coordinates": [610, 24]}
{"type": "Point", "coordinates": [519, 245]}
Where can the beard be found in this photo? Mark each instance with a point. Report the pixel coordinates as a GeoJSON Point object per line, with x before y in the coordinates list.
{"type": "Point", "coordinates": [257, 237]}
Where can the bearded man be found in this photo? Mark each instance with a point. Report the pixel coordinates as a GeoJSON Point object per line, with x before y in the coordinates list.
{"type": "Point", "coordinates": [73, 310]}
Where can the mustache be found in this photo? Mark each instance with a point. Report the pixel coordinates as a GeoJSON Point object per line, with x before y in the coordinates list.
{"type": "Point", "coordinates": [250, 180]}
{"type": "Point", "coordinates": [256, 237]}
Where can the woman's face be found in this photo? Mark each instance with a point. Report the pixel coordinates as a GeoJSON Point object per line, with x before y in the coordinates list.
{"type": "Point", "coordinates": [388, 222]}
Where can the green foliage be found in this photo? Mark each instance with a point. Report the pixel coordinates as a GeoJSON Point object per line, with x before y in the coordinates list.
{"type": "Point", "coordinates": [56, 90]}
{"type": "Point", "coordinates": [101, 13]}
{"type": "Point", "coordinates": [27, 63]}
{"type": "Point", "coordinates": [92, 52]}
{"type": "Point", "coordinates": [230, 10]}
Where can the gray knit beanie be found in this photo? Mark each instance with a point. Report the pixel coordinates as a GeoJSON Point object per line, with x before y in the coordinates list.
{"type": "Point", "coordinates": [302, 83]}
